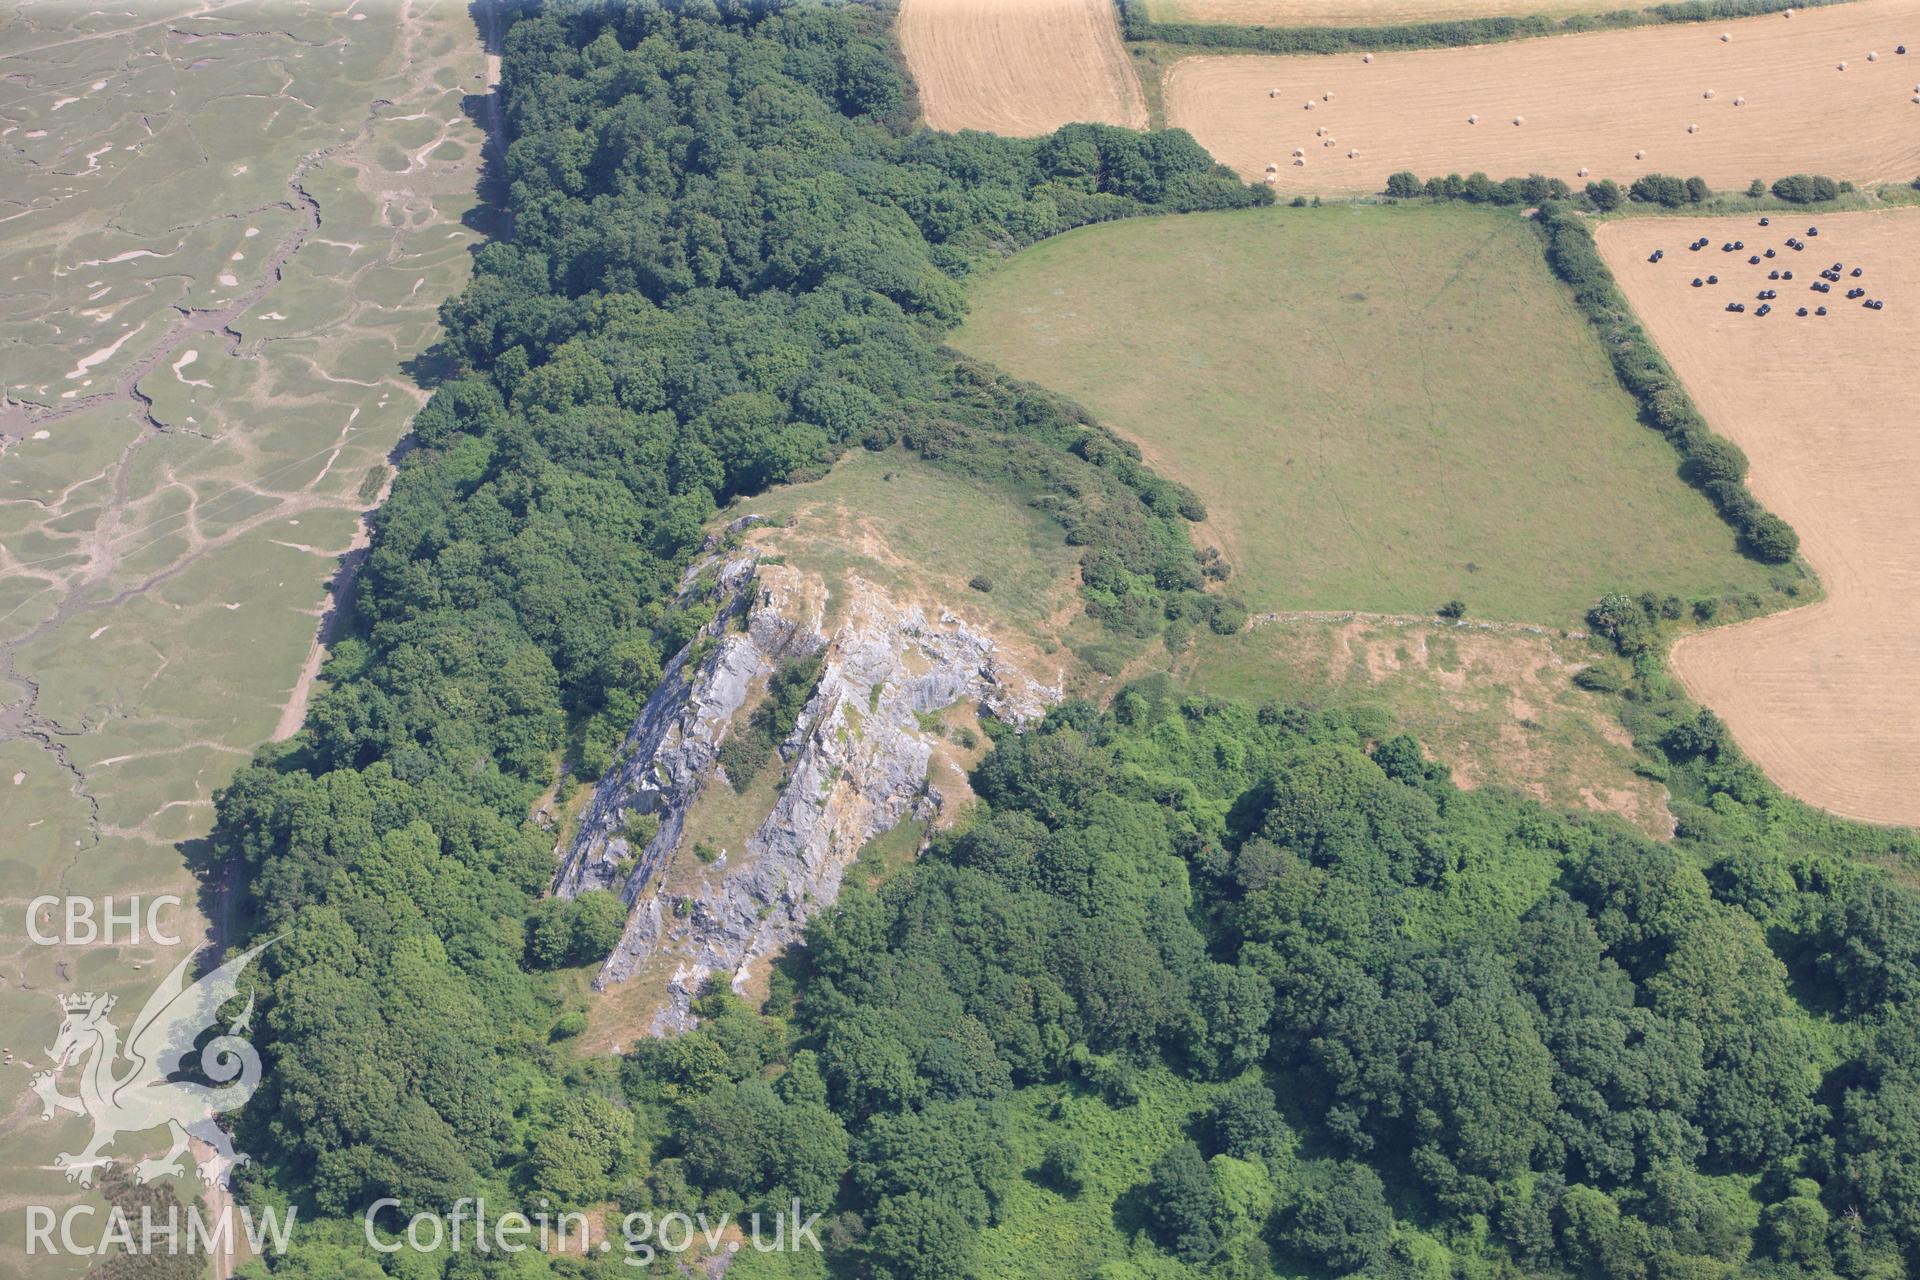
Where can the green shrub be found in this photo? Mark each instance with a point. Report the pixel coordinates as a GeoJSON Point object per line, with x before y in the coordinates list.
{"type": "Point", "coordinates": [1064, 1165]}
{"type": "Point", "coordinates": [1806, 188]}
{"type": "Point", "coordinates": [747, 749]}
{"type": "Point", "coordinates": [1403, 185]}
{"type": "Point", "coordinates": [1343, 1222]}
{"type": "Point", "coordinates": [1658, 188]}
{"type": "Point", "coordinates": [1771, 538]}
{"type": "Point", "coordinates": [980, 582]}
{"type": "Point", "coordinates": [1601, 677]}
{"type": "Point", "coordinates": [1453, 609]}
{"type": "Point", "coordinates": [566, 932]}
{"type": "Point", "coordinates": [1107, 659]}
{"type": "Point", "coordinates": [1182, 1203]}
{"type": "Point", "coordinates": [641, 829]}
{"type": "Point", "coordinates": [1717, 460]}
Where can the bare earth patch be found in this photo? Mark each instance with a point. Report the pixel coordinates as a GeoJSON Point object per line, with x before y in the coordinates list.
{"type": "Point", "coordinates": [1826, 698]}
{"type": "Point", "coordinates": [1019, 67]}
{"type": "Point", "coordinates": [1617, 104]}
{"type": "Point", "coordinates": [1496, 705]}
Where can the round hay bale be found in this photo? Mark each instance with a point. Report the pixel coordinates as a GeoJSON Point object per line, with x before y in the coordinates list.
{"type": "Point", "coordinates": [1274, 168]}
{"type": "Point", "coordinates": [1354, 154]}
{"type": "Point", "coordinates": [1321, 132]}
{"type": "Point", "coordinates": [1693, 128]}
{"type": "Point", "coordinates": [1519, 120]}
{"type": "Point", "coordinates": [1473, 119]}
{"type": "Point", "coordinates": [1299, 151]}
{"type": "Point", "coordinates": [1725, 36]}
{"type": "Point", "coordinates": [1273, 93]}
{"type": "Point", "coordinates": [1309, 106]}
{"type": "Point", "coordinates": [1873, 57]}
{"type": "Point", "coordinates": [1708, 94]}
{"type": "Point", "coordinates": [1273, 177]}
{"type": "Point", "coordinates": [1843, 66]}
{"type": "Point", "coordinates": [1583, 172]}
{"type": "Point", "coordinates": [1366, 57]}
{"type": "Point", "coordinates": [1739, 102]}
{"type": "Point", "coordinates": [1299, 162]}
{"type": "Point", "coordinates": [1327, 96]}
{"type": "Point", "coordinates": [1640, 155]}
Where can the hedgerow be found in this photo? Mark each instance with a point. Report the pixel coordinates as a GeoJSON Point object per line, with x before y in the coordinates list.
{"type": "Point", "coordinates": [1137, 24]}
{"type": "Point", "coordinates": [1644, 372]}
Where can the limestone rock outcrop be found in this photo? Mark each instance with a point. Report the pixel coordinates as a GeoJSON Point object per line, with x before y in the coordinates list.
{"type": "Point", "coordinates": [855, 765]}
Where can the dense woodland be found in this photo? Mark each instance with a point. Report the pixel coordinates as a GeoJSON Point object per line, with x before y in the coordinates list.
{"type": "Point", "coordinates": [1404, 1029]}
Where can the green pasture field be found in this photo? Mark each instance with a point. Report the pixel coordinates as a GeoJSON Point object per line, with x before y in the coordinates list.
{"type": "Point", "coordinates": [1384, 407]}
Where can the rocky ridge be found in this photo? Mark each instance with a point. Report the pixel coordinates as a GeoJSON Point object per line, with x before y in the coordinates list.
{"type": "Point", "coordinates": [855, 765]}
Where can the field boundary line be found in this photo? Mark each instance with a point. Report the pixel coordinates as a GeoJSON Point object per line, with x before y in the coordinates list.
{"type": "Point", "coordinates": [1283, 617]}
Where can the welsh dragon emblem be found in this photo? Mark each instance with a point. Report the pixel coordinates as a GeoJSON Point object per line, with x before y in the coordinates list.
{"type": "Point", "coordinates": [129, 1091]}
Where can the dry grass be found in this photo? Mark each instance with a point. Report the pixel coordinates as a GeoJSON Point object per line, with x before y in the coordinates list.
{"type": "Point", "coordinates": [1498, 708]}
{"type": "Point", "coordinates": [1826, 698]}
{"type": "Point", "coordinates": [1589, 101]}
{"type": "Point", "coordinates": [1019, 67]}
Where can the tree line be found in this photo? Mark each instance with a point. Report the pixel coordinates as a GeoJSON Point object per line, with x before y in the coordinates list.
{"type": "Point", "coordinates": [1714, 464]}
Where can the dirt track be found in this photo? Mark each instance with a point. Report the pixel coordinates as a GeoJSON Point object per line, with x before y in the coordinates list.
{"type": "Point", "coordinates": [1019, 67]}
{"type": "Point", "coordinates": [1826, 698]}
{"type": "Point", "coordinates": [1588, 101]}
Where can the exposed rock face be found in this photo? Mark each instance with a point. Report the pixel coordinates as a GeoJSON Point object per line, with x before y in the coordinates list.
{"type": "Point", "coordinates": [855, 764]}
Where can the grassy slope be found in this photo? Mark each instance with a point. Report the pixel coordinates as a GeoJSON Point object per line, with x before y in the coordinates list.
{"type": "Point", "coordinates": [1494, 707]}
{"type": "Point", "coordinates": [923, 532]}
{"type": "Point", "coordinates": [1384, 407]}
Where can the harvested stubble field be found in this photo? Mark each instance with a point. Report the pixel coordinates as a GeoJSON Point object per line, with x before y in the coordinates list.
{"type": "Point", "coordinates": [1383, 408]}
{"type": "Point", "coordinates": [1364, 13]}
{"type": "Point", "coordinates": [1019, 67]}
{"type": "Point", "coordinates": [1826, 698]}
{"type": "Point", "coordinates": [1616, 103]}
